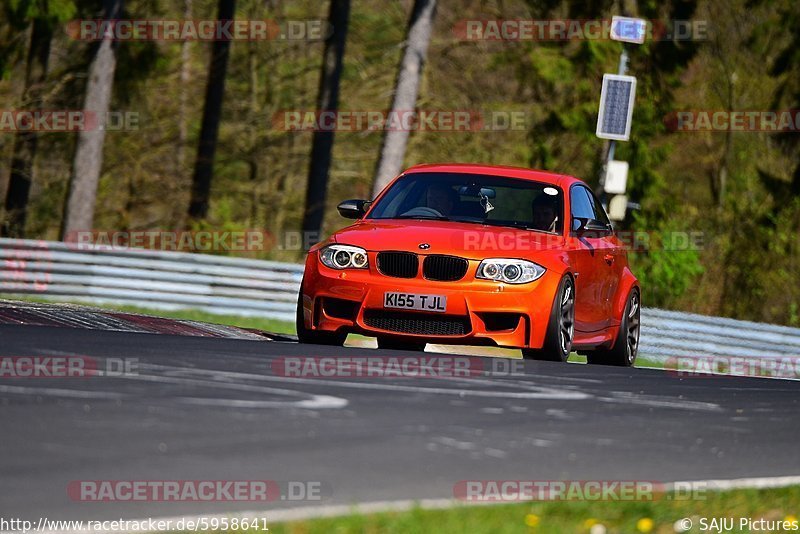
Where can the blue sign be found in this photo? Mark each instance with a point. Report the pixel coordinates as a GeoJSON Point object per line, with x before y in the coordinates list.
{"type": "Point", "coordinates": [628, 29]}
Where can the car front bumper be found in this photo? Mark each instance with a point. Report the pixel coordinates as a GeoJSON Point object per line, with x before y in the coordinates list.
{"type": "Point", "coordinates": [478, 312]}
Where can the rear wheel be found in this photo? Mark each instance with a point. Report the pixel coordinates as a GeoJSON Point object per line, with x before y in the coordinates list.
{"type": "Point", "coordinates": [305, 335]}
{"type": "Point", "coordinates": [626, 346]}
{"type": "Point", "coordinates": [560, 328]}
{"type": "Point", "coordinates": [400, 344]}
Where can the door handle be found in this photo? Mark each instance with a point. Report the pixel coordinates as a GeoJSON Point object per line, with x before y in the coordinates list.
{"type": "Point", "coordinates": [609, 258]}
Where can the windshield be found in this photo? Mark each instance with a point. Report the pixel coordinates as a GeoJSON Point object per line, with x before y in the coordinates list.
{"type": "Point", "coordinates": [473, 198]}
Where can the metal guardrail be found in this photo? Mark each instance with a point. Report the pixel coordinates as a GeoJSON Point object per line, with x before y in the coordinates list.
{"type": "Point", "coordinates": [152, 279]}
{"type": "Point", "coordinates": [257, 288]}
{"type": "Point", "coordinates": [668, 334]}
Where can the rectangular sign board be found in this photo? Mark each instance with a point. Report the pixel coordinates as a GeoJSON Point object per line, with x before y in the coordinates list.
{"type": "Point", "coordinates": [616, 180]}
{"type": "Point", "coordinates": [628, 30]}
{"type": "Point", "coordinates": [618, 207]}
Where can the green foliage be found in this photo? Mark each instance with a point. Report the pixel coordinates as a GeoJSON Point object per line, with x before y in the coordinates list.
{"type": "Point", "coordinates": [748, 265]}
{"type": "Point", "coordinates": [22, 12]}
{"type": "Point", "coordinates": [558, 516]}
{"type": "Point", "coordinates": [16, 16]}
{"type": "Point", "coordinates": [668, 265]}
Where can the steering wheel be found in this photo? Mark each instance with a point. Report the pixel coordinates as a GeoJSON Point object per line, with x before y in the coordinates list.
{"type": "Point", "coordinates": [423, 211]}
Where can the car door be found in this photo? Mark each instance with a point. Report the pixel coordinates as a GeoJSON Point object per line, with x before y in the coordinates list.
{"type": "Point", "coordinates": [591, 270]}
{"type": "Point", "coordinates": [613, 262]}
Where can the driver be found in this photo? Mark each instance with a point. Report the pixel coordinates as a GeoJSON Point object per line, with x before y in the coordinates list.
{"type": "Point", "coordinates": [545, 212]}
{"type": "Point", "coordinates": [441, 198]}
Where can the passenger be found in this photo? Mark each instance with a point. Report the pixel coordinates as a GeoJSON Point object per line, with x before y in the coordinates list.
{"type": "Point", "coordinates": [545, 213]}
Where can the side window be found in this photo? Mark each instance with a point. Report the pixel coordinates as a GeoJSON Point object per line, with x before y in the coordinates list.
{"type": "Point", "coordinates": [581, 204]}
{"type": "Point", "coordinates": [599, 210]}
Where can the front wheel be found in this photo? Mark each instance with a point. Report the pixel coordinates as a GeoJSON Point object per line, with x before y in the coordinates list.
{"type": "Point", "coordinates": [560, 328]}
{"type": "Point", "coordinates": [305, 335]}
{"type": "Point", "coordinates": [626, 346]}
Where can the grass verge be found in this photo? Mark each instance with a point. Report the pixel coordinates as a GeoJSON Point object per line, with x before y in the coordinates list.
{"type": "Point", "coordinates": [663, 515]}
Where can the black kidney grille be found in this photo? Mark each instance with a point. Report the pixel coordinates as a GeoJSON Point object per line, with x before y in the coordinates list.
{"type": "Point", "coordinates": [444, 268]}
{"type": "Point", "coordinates": [398, 264]}
{"type": "Point", "coordinates": [416, 323]}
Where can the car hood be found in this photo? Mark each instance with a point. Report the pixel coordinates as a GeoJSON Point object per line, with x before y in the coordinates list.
{"type": "Point", "coordinates": [474, 241]}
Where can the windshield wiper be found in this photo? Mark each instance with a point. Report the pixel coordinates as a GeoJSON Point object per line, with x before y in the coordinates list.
{"type": "Point", "coordinates": [520, 225]}
{"type": "Point", "coordinates": [511, 224]}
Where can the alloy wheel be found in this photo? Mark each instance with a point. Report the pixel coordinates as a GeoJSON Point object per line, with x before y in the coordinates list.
{"type": "Point", "coordinates": [634, 314]}
{"type": "Point", "coordinates": [566, 317]}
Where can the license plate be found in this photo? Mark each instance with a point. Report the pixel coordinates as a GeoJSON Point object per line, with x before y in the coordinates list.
{"type": "Point", "coordinates": [415, 301]}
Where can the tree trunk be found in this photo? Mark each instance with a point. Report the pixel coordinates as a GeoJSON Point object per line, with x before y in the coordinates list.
{"type": "Point", "coordinates": [327, 100]}
{"type": "Point", "coordinates": [393, 149]}
{"type": "Point", "coordinates": [209, 130]}
{"type": "Point", "coordinates": [719, 177]}
{"type": "Point", "coordinates": [88, 160]}
{"type": "Point", "coordinates": [183, 104]}
{"type": "Point", "coordinates": [19, 184]}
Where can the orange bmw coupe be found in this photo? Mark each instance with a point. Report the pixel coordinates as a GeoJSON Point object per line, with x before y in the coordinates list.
{"type": "Point", "coordinates": [476, 255]}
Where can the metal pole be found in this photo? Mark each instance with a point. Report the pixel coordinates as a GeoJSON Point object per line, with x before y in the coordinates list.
{"type": "Point", "coordinates": [612, 144]}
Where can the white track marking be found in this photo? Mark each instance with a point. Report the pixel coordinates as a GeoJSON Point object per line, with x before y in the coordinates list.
{"type": "Point", "coordinates": [61, 392]}
{"type": "Point", "coordinates": [538, 392]}
{"type": "Point", "coordinates": [622, 397]}
{"type": "Point", "coordinates": [541, 393]}
{"type": "Point", "coordinates": [316, 402]}
{"type": "Point", "coordinates": [689, 375]}
{"type": "Point", "coordinates": [308, 400]}
{"type": "Point", "coordinates": [462, 387]}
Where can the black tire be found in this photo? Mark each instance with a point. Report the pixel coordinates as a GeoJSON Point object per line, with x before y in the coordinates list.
{"type": "Point", "coordinates": [626, 345]}
{"type": "Point", "coordinates": [560, 327]}
{"type": "Point", "coordinates": [309, 336]}
{"type": "Point", "coordinates": [400, 344]}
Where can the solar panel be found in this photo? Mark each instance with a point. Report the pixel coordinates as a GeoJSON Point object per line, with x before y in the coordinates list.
{"type": "Point", "coordinates": [616, 107]}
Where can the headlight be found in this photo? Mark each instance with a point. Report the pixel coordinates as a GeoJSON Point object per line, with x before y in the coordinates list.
{"type": "Point", "coordinates": [509, 270]}
{"type": "Point", "coordinates": [344, 257]}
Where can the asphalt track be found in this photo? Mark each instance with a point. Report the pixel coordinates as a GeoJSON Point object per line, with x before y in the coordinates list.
{"type": "Point", "coordinates": [212, 408]}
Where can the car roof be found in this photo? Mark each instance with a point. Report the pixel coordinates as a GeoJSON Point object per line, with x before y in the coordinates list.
{"type": "Point", "coordinates": [562, 180]}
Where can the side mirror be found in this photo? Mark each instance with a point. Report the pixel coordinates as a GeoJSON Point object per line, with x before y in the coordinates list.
{"type": "Point", "coordinates": [353, 209]}
{"type": "Point", "coordinates": [584, 227]}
